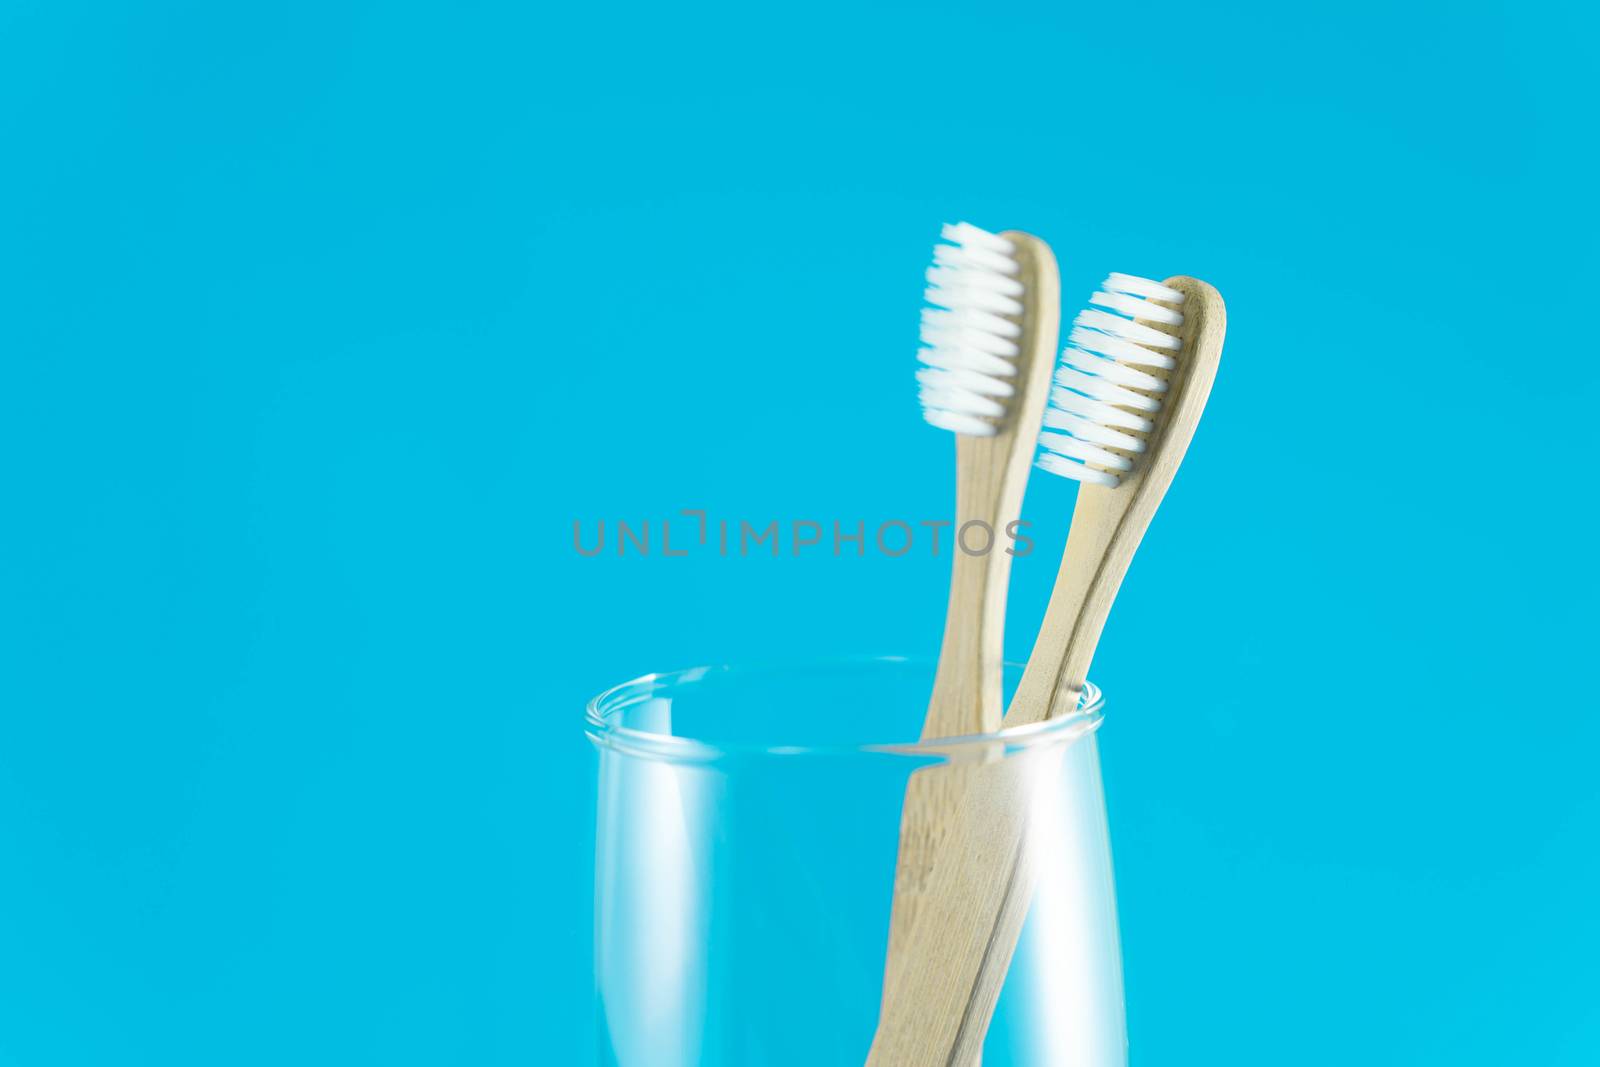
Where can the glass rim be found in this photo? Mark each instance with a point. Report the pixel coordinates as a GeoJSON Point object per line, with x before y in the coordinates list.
{"type": "Point", "coordinates": [603, 710]}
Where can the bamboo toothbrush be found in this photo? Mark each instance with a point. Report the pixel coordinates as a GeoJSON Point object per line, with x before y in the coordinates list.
{"type": "Point", "coordinates": [989, 333]}
{"type": "Point", "coordinates": [1133, 382]}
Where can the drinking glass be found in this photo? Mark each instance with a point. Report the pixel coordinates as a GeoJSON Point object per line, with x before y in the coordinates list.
{"type": "Point", "coordinates": [748, 829]}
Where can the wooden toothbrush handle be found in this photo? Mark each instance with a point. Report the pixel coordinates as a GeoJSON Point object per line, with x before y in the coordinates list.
{"type": "Point", "coordinates": [1099, 550]}
{"type": "Point", "coordinates": [966, 700]}
{"type": "Point", "coordinates": [966, 687]}
{"type": "Point", "coordinates": [952, 955]}
{"type": "Point", "coordinates": [926, 995]}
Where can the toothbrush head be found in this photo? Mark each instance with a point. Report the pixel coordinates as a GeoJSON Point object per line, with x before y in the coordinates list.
{"type": "Point", "coordinates": [972, 332]}
{"type": "Point", "coordinates": [1111, 381]}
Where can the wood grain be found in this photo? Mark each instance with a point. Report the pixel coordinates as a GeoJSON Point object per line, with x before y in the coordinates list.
{"type": "Point", "coordinates": [940, 994]}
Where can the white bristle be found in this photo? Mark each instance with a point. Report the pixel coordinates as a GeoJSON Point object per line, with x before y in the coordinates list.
{"type": "Point", "coordinates": [1099, 400]}
{"type": "Point", "coordinates": [970, 333]}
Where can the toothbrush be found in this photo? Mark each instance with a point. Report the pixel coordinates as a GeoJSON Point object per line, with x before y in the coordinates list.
{"type": "Point", "coordinates": [1133, 381]}
{"type": "Point", "coordinates": [989, 334]}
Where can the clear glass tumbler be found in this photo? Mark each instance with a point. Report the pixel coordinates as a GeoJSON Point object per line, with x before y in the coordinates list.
{"type": "Point", "coordinates": [747, 841]}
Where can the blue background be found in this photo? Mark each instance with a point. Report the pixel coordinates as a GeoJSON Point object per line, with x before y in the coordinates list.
{"type": "Point", "coordinates": [320, 324]}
